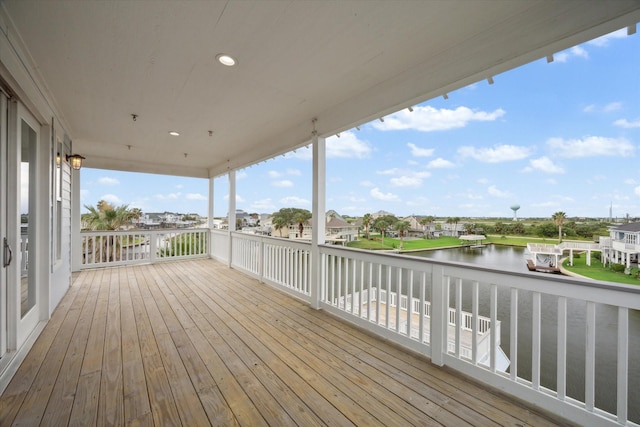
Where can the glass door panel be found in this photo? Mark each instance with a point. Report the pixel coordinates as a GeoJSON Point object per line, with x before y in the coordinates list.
{"type": "Point", "coordinates": [28, 144]}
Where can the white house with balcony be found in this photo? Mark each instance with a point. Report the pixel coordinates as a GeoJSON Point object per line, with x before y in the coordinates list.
{"type": "Point", "coordinates": [623, 244]}
{"type": "Point", "coordinates": [204, 90]}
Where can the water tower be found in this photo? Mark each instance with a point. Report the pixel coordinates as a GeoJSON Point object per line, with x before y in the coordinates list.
{"type": "Point", "coordinates": [515, 208]}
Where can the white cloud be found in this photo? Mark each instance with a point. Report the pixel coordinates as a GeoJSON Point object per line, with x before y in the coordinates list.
{"type": "Point", "coordinates": [105, 180]}
{"type": "Point", "coordinates": [111, 198]}
{"type": "Point", "coordinates": [551, 181]}
{"type": "Point", "coordinates": [263, 205]}
{"type": "Point", "coordinates": [440, 163]}
{"type": "Point", "coordinates": [348, 146]}
{"type": "Point", "coordinates": [626, 124]}
{"type": "Point", "coordinates": [495, 192]}
{"type": "Point", "coordinates": [274, 174]}
{"type": "Point", "coordinates": [637, 191]}
{"type": "Point", "coordinates": [591, 146]}
{"type": "Point", "coordinates": [179, 186]}
{"type": "Point", "coordinates": [195, 196]}
{"type": "Point", "coordinates": [606, 39]}
{"type": "Point", "coordinates": [293, 201]}
{"type": "Point", "coordinates": [543, 164]}
{"type": "Point", "coordinates": [497, 154]}
{"type": "Point", "coordinates": [589, 108]}
{"type": "Point", "coordinates": [366, 183]}
{"type": "Point", "coordinates": [420, 152]}
{"type": "Point", "coordinates": [482, 181]}
{"type": "Point", "coordinates": [612, 106]}
{"type": "Point", "coordinates": [386, 197]}
{"type": "Point", "coordinates": [406, 181]}
{"type": "Point", "coordinates": [170, 196]}
{"type": "Point", "coordinates": [283, 183]}
{"type": "Point", "coordinates": [630, 181]}
{"type": "Point", "coordinates": [573, 52]}
{"type": "Point", "coordinates": [295, 172]}
{"type": "Point", "coordinates": [405, 178]}
{"type": "Point", "coordinates": [418, 202]}
{"type": "Point", "coordinates": [428, 119]}
{"type": "Point", "coordinates": [241, 175]}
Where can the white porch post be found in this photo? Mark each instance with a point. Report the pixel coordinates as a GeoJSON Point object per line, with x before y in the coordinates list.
{"type": "Point", "coordinates": [232, 211]}
{"type": "Point", "coordinates": [76, 239]}
{"type": "Point", "coordinates": [317, 216]}
{"type": "Point", "coordinates": [211, 194]}
{"type": "Point", "coordinates": [210, 216]}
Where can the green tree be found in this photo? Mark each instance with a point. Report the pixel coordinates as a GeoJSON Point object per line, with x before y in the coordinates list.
{"type": "Point", "coordinates": [559, 218]}
{"type": "Point", "coordinates": [367, 219]}
{"type": "Point", "coordinates": [136, 213]}
{"type": "Point", "coordinates": [401, 227]}
{"type": "Point", "coordinates": [427, 220]}
{"type": "Point", "coordinates": [279, 223]}
{"type": "Point", "coordinates": [105, 217]}
{"type": "Point", "coordinates": [291, 216]}
{"type": "Point", "coordinates": [381, 225]}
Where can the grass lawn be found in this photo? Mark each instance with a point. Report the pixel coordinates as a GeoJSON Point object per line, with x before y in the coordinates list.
{"type": "Point", "coordinates": [597, 271]}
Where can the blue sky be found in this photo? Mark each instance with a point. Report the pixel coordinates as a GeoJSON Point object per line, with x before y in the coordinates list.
{"type": "Point", "coordinates": [552, 136]}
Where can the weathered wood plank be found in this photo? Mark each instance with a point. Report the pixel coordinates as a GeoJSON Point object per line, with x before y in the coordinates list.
{"type": "Point", "coordinates": [63, 394]}
{"type": "Point", "coordinates": [17, 389]}
{"type": "Point", "coordinates": [37, 398]}
{"type": "Point", "coordinates": [136, 398]}
{"type": "Point", "coordinates": [111, 404]}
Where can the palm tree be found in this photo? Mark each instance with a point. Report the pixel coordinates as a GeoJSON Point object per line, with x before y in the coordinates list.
{"type": "Point", "coordinates": [279, 223]}
{"type": "Point", "coordinates": [401, 227]}
{"type": "Point", "coordinates": [136, 213]}
{"type": "Point", "coordinates": [558, 218]}
{"type": "Point", "coordinates": [302, 216]}
{"type": "Point", "coordinates": [367, 219]}
{"type": "Point", "coordinates": [110, 219]}
{"type": "Point", "coordinates": [427, 220]}
{"type": "Point", "coordinates": [381, 225]}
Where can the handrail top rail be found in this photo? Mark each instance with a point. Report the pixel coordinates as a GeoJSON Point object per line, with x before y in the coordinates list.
{"type": "Point", "coordinates": [141, 231]}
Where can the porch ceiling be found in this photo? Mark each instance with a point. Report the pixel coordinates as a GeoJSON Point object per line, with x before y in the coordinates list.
{"type": "Point", "coordinates": [342, 62]}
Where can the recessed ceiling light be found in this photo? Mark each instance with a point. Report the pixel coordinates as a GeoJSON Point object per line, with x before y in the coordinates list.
{"type": "Point", "coordinates": [174, 133]}
{"type": "Point", "coordinates": [227, 60]}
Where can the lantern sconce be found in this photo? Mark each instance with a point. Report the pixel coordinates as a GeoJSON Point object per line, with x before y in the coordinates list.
{"type": "Point", "coordinates": [58, 159]}
{"type": "Point", "coordinates": [75, 160]}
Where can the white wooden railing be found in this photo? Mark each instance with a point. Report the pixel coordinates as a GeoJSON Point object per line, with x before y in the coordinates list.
{"type": "Point", "coordinates": [541, 316]}
{"type": "Point", "coordinates": [112, 248]}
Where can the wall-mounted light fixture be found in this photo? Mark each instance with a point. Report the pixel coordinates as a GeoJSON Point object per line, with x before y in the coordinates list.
{"type": "Point", "coordinates": [75, 160]}
{"type": "Point", "coordinates": [58, 159]}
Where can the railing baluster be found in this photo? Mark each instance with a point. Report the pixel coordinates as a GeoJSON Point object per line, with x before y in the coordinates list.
{"type": "Point", "coordinates": [494, 327]}
{"type": "Point", "coordinates": [513, 336]}
{"type": "Point", "coordinates": [561, 370]}
{"type": "Point", "coordinates": [423, 284]}
{"type": "Point", "coordinates": [590, 357]}
{"type": "Point", "coordinates": [474, 323]}
{"type": "Point", "coordinates": [535, 341]}
{"type": "Point", "coordinates": [398, 299]}
{"type": "Point", "coordinates": [623, 364]}
{"type": "Point", "coordinates": [458, 316]}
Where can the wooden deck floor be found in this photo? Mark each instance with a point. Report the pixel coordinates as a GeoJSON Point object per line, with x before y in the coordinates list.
{"type": "Point", "coordinates": [194, 343]}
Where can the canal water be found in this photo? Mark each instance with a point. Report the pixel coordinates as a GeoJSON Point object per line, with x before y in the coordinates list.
{"type": "Point", "coordinates": [514, 259]}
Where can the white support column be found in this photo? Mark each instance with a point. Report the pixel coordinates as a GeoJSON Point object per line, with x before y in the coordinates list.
{"type": "Point", "coordinates": [589, 257]}
{"type": "Point", "coordinates": [211, 194]}
{"type": "Point", "coordinates": [232, 212]}
{"type": "Point", "coordinates": [210, 217]}
{"type": "Point", "coordinates": [317, 216]}
{"type": "Point", "coordinates": [76, 239]}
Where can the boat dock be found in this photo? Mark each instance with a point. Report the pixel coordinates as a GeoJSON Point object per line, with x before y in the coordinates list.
{"type": "Point", "coordinates": [542, 268]}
